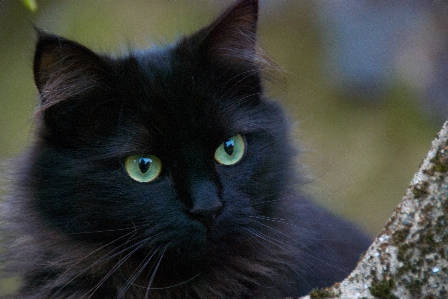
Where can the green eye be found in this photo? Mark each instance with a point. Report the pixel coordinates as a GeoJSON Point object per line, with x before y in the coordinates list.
{"type": "Point", "coordinates": [231, 151]}
{"type": "Point", "coordinates": [143, 168]}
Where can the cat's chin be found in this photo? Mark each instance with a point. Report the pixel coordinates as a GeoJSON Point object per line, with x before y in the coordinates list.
{"type": "Point", "coordinates": [175, 268]}
{"type": "Point", "coordinates": [178, 260]}
{"type": "Point", "coordinates": [173, 272]}
{"type": "Point", "coordinates": [195, 256]}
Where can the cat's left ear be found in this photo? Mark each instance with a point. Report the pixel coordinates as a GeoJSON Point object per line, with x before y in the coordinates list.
{"type": "Point", "coordinates": [231, 39]}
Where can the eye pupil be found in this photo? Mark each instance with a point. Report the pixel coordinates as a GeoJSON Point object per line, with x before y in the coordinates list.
{"type": "Point", "coordinates": [231, 151]}
{"type": "Point", "coordinates": [143, 168]}
{"type": "Point", "coordinates": [229, 146]}
{"type": "Point", "coordinates": [144, 163]}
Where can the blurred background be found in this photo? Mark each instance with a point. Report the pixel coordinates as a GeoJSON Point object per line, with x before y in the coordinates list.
{"type": "Point", "coordinates": [364, 80]}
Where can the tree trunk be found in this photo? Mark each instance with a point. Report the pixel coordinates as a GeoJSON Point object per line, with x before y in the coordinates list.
{"type": "Point", "coordinates": [409, 258]}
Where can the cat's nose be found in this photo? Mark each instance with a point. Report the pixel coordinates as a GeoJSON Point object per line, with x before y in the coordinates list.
{"type": "Point", "coordinates": [206, 203]}
{"type": "Point", "coordinates": [206, 216]}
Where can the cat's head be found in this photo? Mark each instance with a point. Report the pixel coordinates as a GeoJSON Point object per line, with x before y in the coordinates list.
{"type": "Point", "coordinates": [171, 151]}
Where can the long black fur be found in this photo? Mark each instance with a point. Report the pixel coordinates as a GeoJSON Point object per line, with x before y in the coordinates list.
{"type": "Point", "coordinates": [84, 229]}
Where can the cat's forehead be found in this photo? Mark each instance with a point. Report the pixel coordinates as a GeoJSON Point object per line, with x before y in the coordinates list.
{"type": "Point", "coordinates": [170, 98]}
{"type": "Point", "coordinates": [168, 89]}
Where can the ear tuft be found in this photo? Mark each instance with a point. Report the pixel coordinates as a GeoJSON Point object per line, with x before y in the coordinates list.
{"type": "Point", "coordinates": [232, 37]}
{"type": "Point", "coordinates": [64, 69]}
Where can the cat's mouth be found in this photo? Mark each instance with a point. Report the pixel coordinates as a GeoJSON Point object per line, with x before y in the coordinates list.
{"type": "Point", "coordinates": [174, 260]}
{"type": "Point", "coordinates": [165, 268]}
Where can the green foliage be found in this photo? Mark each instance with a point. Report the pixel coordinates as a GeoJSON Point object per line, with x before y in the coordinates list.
{"type": "Point", "coordinates": [30, 4]}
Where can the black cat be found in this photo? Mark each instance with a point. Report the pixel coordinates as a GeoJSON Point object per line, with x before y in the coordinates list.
{"type": "Point", "coordinates": [166, 173]}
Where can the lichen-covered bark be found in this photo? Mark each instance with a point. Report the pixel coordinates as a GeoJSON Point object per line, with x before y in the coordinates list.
{"type": "Point", "coordinates": [409, 258]}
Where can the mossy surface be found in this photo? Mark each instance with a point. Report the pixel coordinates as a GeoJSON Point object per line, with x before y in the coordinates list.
{"type": "Point", "coordinates": [382, 289]}
{"type": "Point", "coordinates": [321, 293]}
{"type": "Point", "coordinates": [440, 160]}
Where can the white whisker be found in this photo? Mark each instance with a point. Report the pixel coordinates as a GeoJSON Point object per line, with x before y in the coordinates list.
{"type": "Point", "coordinates": [106, 257]}
{"type": "Point", "coordinates": [308, 252]}
{"type": "Point", "coordinates": [141, 267]}
{"type": "Point", "coordinates": [154, 273]}
{"type": "Point", "coordinates": [256, 239]}
{"type": "Point", "coordinates": [137, 246]}
{"type": "Point", "coordinates": [178, 284]}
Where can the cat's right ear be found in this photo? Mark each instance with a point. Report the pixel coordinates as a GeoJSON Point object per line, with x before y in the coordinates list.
{"type": "Point", "coordinates": [64, 69]}
{"type": "Point", "coordinates": [71, 80]}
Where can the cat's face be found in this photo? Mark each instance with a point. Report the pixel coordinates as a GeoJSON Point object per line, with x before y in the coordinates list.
{"type": "Point", "coordinates": [171, 153]}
